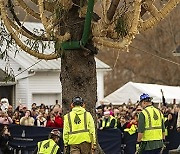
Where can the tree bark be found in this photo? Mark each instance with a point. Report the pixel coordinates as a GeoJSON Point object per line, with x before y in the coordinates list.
{"type": "Point", "coordinates": [78, 67]}
{"type": "Point", "coordinates": [78, 78]}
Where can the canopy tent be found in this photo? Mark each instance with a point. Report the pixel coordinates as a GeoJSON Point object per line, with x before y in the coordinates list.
{"type": "Point", "coordinates": [133, 91]}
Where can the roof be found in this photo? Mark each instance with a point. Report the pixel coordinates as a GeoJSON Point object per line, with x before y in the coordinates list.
{"type": "Point", "coordinates": [132, 91]}
{"type": "Point", "coordinates": [28, 61]}
{"type": "Point", "coordinates": [2, 75]}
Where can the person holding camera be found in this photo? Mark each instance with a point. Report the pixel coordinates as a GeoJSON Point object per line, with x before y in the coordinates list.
{"type": "Point", "coordinates": [5, 136]}
{"type": "Point", "coordinates": [27, 120]}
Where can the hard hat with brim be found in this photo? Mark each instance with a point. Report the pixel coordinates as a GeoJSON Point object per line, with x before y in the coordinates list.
{"type": "Point", "coordinates": [145, 97]}
{"type": "Point", "coordinates": [56, 132]}
{"type": "Point", "coordinates": [77, 100]}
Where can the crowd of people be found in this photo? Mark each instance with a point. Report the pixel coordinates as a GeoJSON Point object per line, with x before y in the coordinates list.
{"type": "Point", "coordinates": [41, 116]}
{"type": "Point", "coordinates": [123, 117]}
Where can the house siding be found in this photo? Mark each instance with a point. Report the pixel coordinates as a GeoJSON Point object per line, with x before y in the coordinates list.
{"type": "Point", "coordinates": [45, 82]}
{"type": "Point", "coordinates": [22, 91]}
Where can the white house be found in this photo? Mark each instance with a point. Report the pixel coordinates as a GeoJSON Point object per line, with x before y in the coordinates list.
{"type": "Point", "coordinates": [38, 80]}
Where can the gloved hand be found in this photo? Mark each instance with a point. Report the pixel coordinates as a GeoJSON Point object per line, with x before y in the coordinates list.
{"type": "Point", "coordinates": [66, 149]}
{"type": "Point", "coordinates": [93, 147]}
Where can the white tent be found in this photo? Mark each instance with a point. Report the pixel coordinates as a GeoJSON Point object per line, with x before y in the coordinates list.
{"type": "Point", "coordinates": [133, 91]}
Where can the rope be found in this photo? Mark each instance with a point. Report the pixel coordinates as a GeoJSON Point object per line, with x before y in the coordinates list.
{"type": "Point", "coordinates": [178, 64]}
{"type": "Point", "coordinates": [87, 25]}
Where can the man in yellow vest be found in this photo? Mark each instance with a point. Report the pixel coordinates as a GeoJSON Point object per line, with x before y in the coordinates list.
{"type": "Point", "coordinates": [151, 130]}
{"type": "Point", "coordinates": [79, 129]}
{"type": "Point", "coordinates": [49, 146]}
{"type": "Point", "coordinates": [108, 121]}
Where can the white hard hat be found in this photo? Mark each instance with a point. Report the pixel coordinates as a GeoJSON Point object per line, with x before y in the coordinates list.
{"type": "Point", "coordinates": [56, 132]}
{"type": "Point", "coordinates": [4, 100]}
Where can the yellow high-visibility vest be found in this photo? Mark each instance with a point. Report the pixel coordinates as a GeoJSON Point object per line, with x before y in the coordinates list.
{"type": "Point", "coordinates": [84, 131]}
{"type": "Point", "coordinates": [132, 130]}
{"type": "Point", "coordinates": [108, 122]}
{"type": "Point", "coordinates": [166, 131]}
{"type": "Point", "coordinates": [153, 124]}
{"type": "Point", "coordinates": [47, 147]}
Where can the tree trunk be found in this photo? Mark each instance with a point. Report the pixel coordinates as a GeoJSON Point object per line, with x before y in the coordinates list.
{"type": "Point", "coordinates": [78, 68]}
{"type": "Point", "coordinates": [78, 78]}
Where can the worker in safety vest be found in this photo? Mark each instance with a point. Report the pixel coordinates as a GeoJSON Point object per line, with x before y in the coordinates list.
{"type": "Point", "coordinates": [79, 130]}
{"type": "Point", "coordinates": [49, 146]}
{"type": "Point", "coordinates": [151, 130]}
{"type": "Point", "coordinates": [108, 121]}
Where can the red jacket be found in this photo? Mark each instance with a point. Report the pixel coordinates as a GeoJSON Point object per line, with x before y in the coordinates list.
{"type": "Point", "coordinates": [58, 123]}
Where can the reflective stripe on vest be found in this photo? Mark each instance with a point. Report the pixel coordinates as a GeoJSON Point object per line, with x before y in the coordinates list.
{"type": "Point", "coordinates": [150, 122]}
{"type": "Point", "coordinates": [108, 121]}
{"type": "Point", "coordinates": [47, 150]}
{"type": "Point", "coordinates": [78, 131]}
{"type": "Point", "coordinates": [131, 130]}
{"type": "Point", "coordinates": [153, 124]}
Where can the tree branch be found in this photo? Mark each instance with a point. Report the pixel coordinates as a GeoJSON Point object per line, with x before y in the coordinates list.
{"type": "Point", "coordinates": [27, 33]}
{"type": "Point", "coordinates": [131, 35]}
{"type": "Point", "coordinates": [19, 42]}
{"type": "Point", "coordinates": [48, 25]}
{"type": "Point", "coordinates": [161, 15]}
{"type": "Point", "coordinates": [31, 12]}
{"type": "Point", "coordinates": [112, 9]}
{"type": "Point", "coordinates": [48, 6]}
{"type": "Point", "coordinates": [149, 6]}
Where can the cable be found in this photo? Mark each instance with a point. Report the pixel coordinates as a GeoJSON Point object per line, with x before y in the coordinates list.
{"type": "Point", "coordinates": [24, 70]}
{"type": "Point", "coordinates": [28, 68]}
{"type": "Point", "coordinates": [156, 55]}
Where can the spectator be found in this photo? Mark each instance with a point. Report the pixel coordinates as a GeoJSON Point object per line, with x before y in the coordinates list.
{"type": "Point", "coordinates": [134, 121]}
{"type": "Point", "coordinates": [58, 119]}
{"type": "Point", "coordinates": [4, 104]}
{"type": "Point", "coordinates": [34, 111]}
{"type": "Point", "coordinates": [40, 120]}
{"type": "Point", "coordinates": [21, 110]}
{"type": "Point", "coordinates": [10, 111]}
{"type": "Point", "coordinates": [16, 117]}
{"type": "Point", "coordinates": [42, 108]}
{"type": "Point", "coordinates": [169, 123]}
{"type": "Point", "coordinates": [27, 120]}
{"type": "Point", "coordinates": [99, 111]}
{"type": "Point", "coordinates": [4, 139]}
{"type": "Point", "coordinates": [122, 123]}
{"type": "Point", "coordinates": [138, 109]}
{"type": "Point", "coordinates": [51, 121]}
{"type": "Point", "coordinates": [4, 118]}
